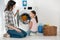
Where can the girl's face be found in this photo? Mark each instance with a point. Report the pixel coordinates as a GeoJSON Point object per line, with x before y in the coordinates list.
{"type": "Point", "coordinates": [31, 14]}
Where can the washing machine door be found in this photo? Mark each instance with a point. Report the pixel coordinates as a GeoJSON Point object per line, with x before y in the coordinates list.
{"type": "Point", "coordinates": [24, 19]}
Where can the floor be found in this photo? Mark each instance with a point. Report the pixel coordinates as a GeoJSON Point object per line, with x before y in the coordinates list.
{"type": "Point", "coordinates": [35, 37]}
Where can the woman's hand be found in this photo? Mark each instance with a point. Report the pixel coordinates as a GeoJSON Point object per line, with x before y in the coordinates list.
{"type": "Point", "coordinates": [16, 13]}
{"type": "Point", "coordinates": [18, 30]}
{"type": "Point", "coordinates": [17, 10]}
{"type": "Point", "coordinates": [14, 28]}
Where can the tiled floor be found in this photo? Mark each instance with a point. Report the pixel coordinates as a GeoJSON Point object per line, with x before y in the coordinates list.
{"type": "Point", "coordinates": [35, 37]}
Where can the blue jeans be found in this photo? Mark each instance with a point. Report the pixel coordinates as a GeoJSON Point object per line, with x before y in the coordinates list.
{"type": "Point", "coordinates": [15, 34]}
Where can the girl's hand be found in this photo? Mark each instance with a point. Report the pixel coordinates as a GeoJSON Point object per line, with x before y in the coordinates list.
{"type": "Point", "coordinates": [30, 24]}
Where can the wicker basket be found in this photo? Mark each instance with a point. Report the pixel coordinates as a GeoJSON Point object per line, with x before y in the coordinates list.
{"type": "Point", "coordinates": [49, 30]}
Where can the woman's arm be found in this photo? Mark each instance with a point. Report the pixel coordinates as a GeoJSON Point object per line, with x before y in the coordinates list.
{"type": "Point", "coordinates": [14, 28]}
{"type": "Point", "coordinates": [16, 13]}
{"type": "Point", "coordinates": [30, 24]}
{"type": "Point", "coordinates": [7, 25]}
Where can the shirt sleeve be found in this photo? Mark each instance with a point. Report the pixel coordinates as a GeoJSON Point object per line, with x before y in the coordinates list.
{"type": "Point", "coordinates": [6, 18]}
{"type": "Point", "coordinates": [31, 20]}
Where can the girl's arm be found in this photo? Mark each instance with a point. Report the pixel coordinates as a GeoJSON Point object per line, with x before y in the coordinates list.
{"type": "Point", "coordinates": [30, 24]}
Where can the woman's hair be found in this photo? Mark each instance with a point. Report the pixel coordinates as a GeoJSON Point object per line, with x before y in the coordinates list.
{"type": "Point", "coordinates": [35, 15]}
{"type": "Point", "coordinates": [10, 5]}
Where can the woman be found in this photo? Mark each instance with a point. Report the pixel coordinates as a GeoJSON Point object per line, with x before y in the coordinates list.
{"type": "Point", "coordinates": [12, 31]}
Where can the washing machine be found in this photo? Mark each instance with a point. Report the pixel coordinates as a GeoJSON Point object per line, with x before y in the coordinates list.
{"type": "Point", "coordinates": [23, 18]}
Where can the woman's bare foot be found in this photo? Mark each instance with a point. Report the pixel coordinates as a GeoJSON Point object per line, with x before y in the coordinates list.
{"type": "Point", "coordinates": [6, 35]}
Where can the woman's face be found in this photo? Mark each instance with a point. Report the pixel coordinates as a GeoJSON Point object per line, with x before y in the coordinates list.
{"type": "Point", "coordinates": [13, 6]}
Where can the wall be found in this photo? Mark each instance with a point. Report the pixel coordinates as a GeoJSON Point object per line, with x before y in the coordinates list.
{"type": "Point", "coordinates": [48, 11]}
{"type": "Point", "coordinates": [2, 6]}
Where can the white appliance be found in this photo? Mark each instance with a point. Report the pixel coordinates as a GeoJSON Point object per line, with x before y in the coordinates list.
{"type": "Point", "coordinates": [24, 27]}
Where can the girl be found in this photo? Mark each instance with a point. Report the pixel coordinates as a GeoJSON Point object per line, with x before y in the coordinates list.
{"type": "Point", "coordinates": [12, 31]}
{"type": "Point", "coordinates": [33, 22]}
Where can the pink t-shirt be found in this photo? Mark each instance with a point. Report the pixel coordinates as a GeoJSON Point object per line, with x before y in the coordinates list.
{"type": "Point", "coordinates": [34, 25]}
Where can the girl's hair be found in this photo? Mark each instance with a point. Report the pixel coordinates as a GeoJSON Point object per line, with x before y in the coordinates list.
{"type": "Point", "coordinates": [35, 15]}
{"type": "Point", "coordinates": [10, 5]}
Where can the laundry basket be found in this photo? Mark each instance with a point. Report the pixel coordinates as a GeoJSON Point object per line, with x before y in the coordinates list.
{"type": "Point", "coordinates": [49, 30]}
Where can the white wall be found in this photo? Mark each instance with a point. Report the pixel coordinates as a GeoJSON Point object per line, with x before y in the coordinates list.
{"type": "Point", "coordinates": [48, 11]}
{"type": "Point", "coordinates": [2, 6]}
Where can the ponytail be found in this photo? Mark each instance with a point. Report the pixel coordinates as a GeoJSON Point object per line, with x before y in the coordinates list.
{"type": "Point", "coordinates": [36, 18]}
